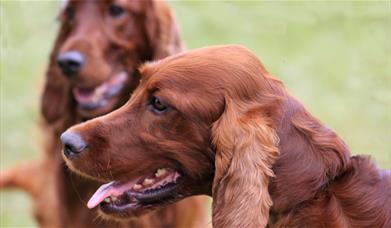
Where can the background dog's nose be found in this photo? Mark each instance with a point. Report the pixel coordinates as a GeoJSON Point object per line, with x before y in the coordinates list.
{"type": "Point", "coordinates": [70, 62]}
{"type": "Point", "coordinates": [73, 143]}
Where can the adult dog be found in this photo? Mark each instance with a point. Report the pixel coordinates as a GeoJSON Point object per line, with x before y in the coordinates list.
{"type": "Point", "coordinates": [99, 45]}
{"type": "Point", "coordinates": [212, 121]}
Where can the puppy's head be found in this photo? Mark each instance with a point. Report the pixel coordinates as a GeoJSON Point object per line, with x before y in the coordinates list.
{"type": "Point", "coordinates": [100, 44]}
{"type": "Point", "coordinates": [200, 122]}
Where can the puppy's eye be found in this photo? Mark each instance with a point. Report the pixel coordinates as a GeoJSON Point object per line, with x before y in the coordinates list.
{"type": "Point", "coordinates": [116, 10]}
{"type": "Point", "coordinates": [157, 105]}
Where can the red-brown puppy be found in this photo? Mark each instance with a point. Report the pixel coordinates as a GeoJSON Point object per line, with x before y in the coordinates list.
{"type": "Point", "coordinates": [212, 121]}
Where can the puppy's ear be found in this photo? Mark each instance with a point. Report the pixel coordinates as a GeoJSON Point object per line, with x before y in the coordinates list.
{"type": "Point", "coordinates": [246, 148]}
{"type": "Point", "coordinates": [56, 91]}
{"type": "Point", "coordinates": [162, 30]}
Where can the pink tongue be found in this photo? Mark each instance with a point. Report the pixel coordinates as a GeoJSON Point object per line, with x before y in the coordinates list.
{"type": "Point", "coordinates": [103, 192]}
{"type": "Point", "coordinates": [110, 189]}
{"type": "Point", "coordinates": [83, 95]}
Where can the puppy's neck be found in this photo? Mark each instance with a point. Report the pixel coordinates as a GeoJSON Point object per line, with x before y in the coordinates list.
{"type": "Point", "coordinates": [311, 155]}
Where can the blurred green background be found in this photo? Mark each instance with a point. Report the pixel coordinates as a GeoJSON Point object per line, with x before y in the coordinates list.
{"type": "Point", "coordinates": [334, 56]}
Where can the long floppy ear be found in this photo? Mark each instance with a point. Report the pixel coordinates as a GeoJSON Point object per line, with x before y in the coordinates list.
{"type": "Point", "coordinates": [246, 148]}
{"type": "Point", "coordinates": [55, 96]}
{"type": "Point", "coordinates": [162, 30]}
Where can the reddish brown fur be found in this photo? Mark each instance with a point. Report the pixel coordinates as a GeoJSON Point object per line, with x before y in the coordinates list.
{"type": "Point", "coordinates": [237, 135]}
{"type": "Point", "coordinates": [146, 32]}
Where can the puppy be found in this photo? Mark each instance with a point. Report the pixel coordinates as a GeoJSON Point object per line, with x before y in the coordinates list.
{"type": "Point", "coordinates": [213, 121]}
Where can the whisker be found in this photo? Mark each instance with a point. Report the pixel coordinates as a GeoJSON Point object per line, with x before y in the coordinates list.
{"type": "Point", "coordinates": [70, 175]}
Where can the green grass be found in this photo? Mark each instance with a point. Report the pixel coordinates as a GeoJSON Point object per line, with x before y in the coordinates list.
{"type": "Point", "coordinates": [27, 30]}
{"type": "Point", "coordinates": [335, 57]}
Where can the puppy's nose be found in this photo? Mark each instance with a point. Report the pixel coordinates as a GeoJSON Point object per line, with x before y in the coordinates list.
{"type": "Point", "coordinates": [73, 143]}
{"type": "Point", "coordinates": [70, 62]}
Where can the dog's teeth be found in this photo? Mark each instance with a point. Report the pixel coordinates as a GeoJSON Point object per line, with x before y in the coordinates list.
{"type": "Point", "coordinates": [137, 187]}
{"type": "Point", "coordinates": [100, 90]}
{"type": "Point", "coordinates": [107, 200]}
{"type": "Point", "coordinates": [160, 172]}
{"type": "Point", "coordinates": [95, 98]}
{"type": "Point", "coordinates": [148, 181]}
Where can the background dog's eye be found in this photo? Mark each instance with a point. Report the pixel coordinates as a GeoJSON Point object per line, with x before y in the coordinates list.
{"type": "Point", "coordinates": [68, 15]}
{"type": "Point", "coordinates": [157, 105]}
{"type": "Point", "coordinates": [70, 12]}
{"type": "Point", "coordinates": [116, 10]}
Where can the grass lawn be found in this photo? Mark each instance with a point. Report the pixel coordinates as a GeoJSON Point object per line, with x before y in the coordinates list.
{"type": "Point", "coordinates": [335, 57]}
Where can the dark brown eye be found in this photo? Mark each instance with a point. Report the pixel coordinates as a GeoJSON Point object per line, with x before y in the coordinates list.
{"type": "Point", "coordinates": [116, 10]}
{"type": "Point", "coordinates": [70, 12]}
{"type": "Point", "coordinates": [68, 15]}
{"type": "Point", "coordinates": [157, 105]}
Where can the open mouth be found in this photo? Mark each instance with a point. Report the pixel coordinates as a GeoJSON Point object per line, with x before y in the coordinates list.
{"type": "Point", "coordinates": [92, 98]}
{"type": "Point", "coordinates": [125, 197]}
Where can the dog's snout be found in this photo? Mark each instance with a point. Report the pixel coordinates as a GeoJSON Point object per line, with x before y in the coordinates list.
{"type": "Point", "coordinates": [70, 62]}
{"type": "Point", "coordinates": [73, 143]}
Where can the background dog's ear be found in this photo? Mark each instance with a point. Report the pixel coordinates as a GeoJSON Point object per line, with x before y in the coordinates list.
{"type": "Point", "coordinates": [246, 148]}
{"type": "Point", "coordinates": [56, 91]}
{"type": "Point", "coordinates": [162, 30]}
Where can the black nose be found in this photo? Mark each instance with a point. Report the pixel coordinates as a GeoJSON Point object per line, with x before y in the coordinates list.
{"type": "Point", "coordinates": [70, 62]}
{"type": "Point", "coordinates": [73, 143]}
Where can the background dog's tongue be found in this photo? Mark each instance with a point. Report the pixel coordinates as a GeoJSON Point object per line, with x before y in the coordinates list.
{"type": "Point", "coordinates": [100, 194]}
